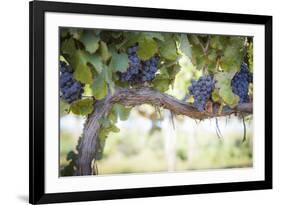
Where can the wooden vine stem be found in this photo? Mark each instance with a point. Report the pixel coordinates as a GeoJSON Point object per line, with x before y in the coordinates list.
{"type": "Point", "coordinates": [134, 97]}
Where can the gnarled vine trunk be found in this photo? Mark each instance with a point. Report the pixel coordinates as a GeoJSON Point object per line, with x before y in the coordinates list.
{"type": "Point", "coordinates": [134, 97]}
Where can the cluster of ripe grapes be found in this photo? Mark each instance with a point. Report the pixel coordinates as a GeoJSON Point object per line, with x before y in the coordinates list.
{"type": "Point", "coordinates": [139, 71]}
{"type": "Point", "coordinates": [201, 91]}
{"type": "Point", "coordinates": [70, 89]}
{"type": "Point", "coordinates": [240, 83]}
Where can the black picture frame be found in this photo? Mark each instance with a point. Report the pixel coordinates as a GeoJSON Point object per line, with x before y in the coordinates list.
{"type": "Point", "coordinates": [37, 10]}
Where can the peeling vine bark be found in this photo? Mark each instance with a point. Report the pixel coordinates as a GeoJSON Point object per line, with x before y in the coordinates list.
{"type": "Point", "coordinates": [134, 97]}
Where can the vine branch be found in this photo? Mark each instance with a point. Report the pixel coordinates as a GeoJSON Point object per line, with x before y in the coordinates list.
{"type": "Point", "coordinates": [134, 97]}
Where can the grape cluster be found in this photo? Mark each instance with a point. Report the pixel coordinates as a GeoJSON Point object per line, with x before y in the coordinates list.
{"type": "Point", "coordinates": [240, 83]}
{"type": "Point", "coordinates": [139, 71]}
{"type": "Point", "coordinates": [70, 89]}
{"type": "Point", "coordinates": [201, 91]}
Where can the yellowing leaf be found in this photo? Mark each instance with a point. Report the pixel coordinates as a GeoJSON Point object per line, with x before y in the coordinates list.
{"type": "Point", "coordinates": [82, 107]}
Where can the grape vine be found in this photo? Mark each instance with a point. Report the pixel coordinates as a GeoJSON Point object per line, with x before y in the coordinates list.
{"type": "Point", "coordinates": [101, 62]}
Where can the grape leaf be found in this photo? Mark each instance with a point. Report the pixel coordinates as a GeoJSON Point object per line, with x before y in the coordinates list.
{"type": "Point", "coordinates": [119, 62]}
{"type": "Point", "coordinates": [106, 127]}
{"type": "Point", "coordinates": [215, 95]}
{"type": "Point", "coordinates": [161, 84]}
{"type": "Point", "coordinates": [250, 56]}
{"type": "Point", "coordinates": [232, 58]}
{"type": "Point", "coordinates": [104, 52]}
{"type": "Point", "coordinates": [216, 42]}
{"type": "Point", "coordinates": [90, 41]}
{"type": "Point", "coordinates": [147, 48]}
{"type": "Point", "coordinates": [168, 49]}
{"type": "Point", "coordinates": [75, 32]}
{"type": "Point", "coordinates": [82, 70]}
{"type": "Point", "coordinates": [194, 39]}
{"type": "Point", "coordinates": [82, 107]}
{"type": "Point", "coordinates": [115, 34]}
{"type": "Point", "coordinates": [68, 46]}
{"type": "Point", "coordinates": [223, 83]}
{"type": "Point", "coordinates": [121, 111]}
{"type": "Point", "coordinates": [108, 76]}
{"type": "Point", "coordinates": [99, 88]}
{"type": "Point", "coordinates": [100, 147]}
{"type": "Point", "coordinates": [163, 73]}
{"type": "Point", "coordinates": [132, 38]}
{"type": "Point", "coordinates": [96, 62]}
{"type": "Point", "coordinates": [154, 35]}
{"type": "Point", "coordinates": [185, 46]}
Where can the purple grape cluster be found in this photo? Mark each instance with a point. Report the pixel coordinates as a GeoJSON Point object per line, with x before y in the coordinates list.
{"type": "Point", "coordinates": [240, 83]}
{"type": "Point", "coordinates": [139, 71]}
{"type": "Point", "coordinates": [201, 91]}
{"type": "Point", "coordinates": [70, 89]}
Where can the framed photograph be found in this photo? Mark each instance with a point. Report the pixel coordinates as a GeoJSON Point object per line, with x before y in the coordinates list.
{"type": "Point", "coordinates": [140, 102]}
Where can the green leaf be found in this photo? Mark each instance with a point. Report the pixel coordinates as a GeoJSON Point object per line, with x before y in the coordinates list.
{"type": "Point", "coordinates": [217, 42]}
{"type": "Point", "coordinates": [121, 111]}
{"type": "Point", "coordinates": [163, 73]}
{"type": "Point", "coordinates": [154, 35]}
{"type": "Point", "coordinates": [132, 38]}
{"type": "Point", "coordinates": [215, 95]}
{"type": "Point", "coordinates": [99, 88]}
{"type": "Point", "coordinates": [161, 84]}
{"type": "Point", "coordinates": [107, 127]}
{"type": "Point", "coordinates": [232, 58]}
{"type": "Point", "coordinates": [194, 39]}
{"type": "Point", "coordinates": [112, 116]}
{"type": "Point", "coordinates": [228, 96]}
{"type": "Point", "coordinates": [68, 47]}
{"type": "Point", "coordinates": [223, 80]}
{"type": "Point", "coordinates": [64, 108]}
{"type": "Point", "coordinates": [90, 41]}
{"type": "Point", "coordinates": [107, 72]}
{"type": "Point", "coordinates": [100, 147]}
{"type": "Point", "coordinates": [82, 70]}
{"type": "Point", "coordinates": [104, 52]}
{"type": "Point", "coordinates": [168, 49]}
{"type": "Point", "coordinates": [82, 107]}
{"type": "Point", "coordinates": [147, 48]}
{"type": "Point", "coordinates": [96, 62]}
{"type": "Point", "coordinates": [232, 53]}
{"type": "Point", "coordinates": [116, 34]}
{"type": "Point", "coordinates": [104, 122]}
{"type": "Point", "coordinates": [119, 62]}
{"type": "Point", "coordinates": [75, 32]}
{"type": "Point", "coordinates": [250, 56]}
{"type": "Point", "coordinates": [185, 46]}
